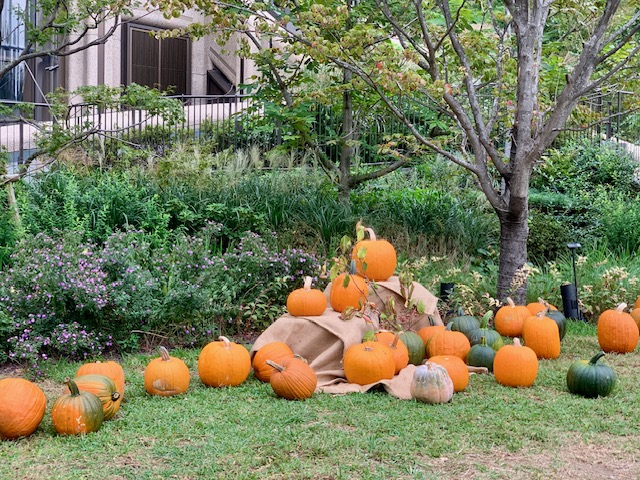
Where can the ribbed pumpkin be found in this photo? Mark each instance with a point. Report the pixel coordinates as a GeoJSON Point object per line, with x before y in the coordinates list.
{"type": "Point", "coordinates": [22, 407]}
{"type": "Point", "coordinates": [515, 365]}
{"type": "Point", "coordinates": [635, 314]}
{"type": "Point", "coordinates": [293, 379]}
{"type": "Point", "coordinates": [415, 347]}
{"type": "Point", "coordinates": [456, 369]}
{"type": "Point", "coordinates": [275, 351]}
{"type": "Point", "coordinates": [463, 323]}
{"type": "Point", "coordinates": [426, 333]}
{"type": "Point", "coordinates": [491, 336]}
{"type": "Point", "coordinates": [448, 342]}
{"type": "Point", "coordinates": [224, 363]}
{"type": "Point", "coordinates": [590, 378]}
{"type": "Point", "coordinates": [102, 387]}
{"type": "Point", "coordinates": [109, 368]}
{"type": "Point", "coordinates": [397, 346]}
{"type": "Point", "coordinates": [368, 362]}
{"type": "Point", "coordinates": [375, 259]}
{"type": "Point", "coordinates": [510, 318]}
{"type": "Point", "coordinates": [481, 355]}
{"type": "Point", "coordinates": [76, 412]}
{"type": "Point", "coordinates": [348, 290]}
{"type": "Point", "coordinates": [166, 375]}
{"type": "Point", "coordinates": [431, 384]}
{"type": "Point", "coordinates": [617, 331]}
{"type": "Point", "coordinates": [540, 305]}
{"type": "Point", "coordinates": [636, 304]}
{"type": "Point", "coordinates": [541, 334]}
{"type": "Point", "coordinates": [306, 300]}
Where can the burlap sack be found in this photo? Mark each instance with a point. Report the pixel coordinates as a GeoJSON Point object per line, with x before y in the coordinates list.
{"type": "Point", "coordinates": [322, 340]}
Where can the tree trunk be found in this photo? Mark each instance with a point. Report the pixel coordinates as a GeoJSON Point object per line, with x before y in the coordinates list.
{"type": "Point", "coordinates": [514, 231]}
{"type": "Point", "coordinates": [346, 139]}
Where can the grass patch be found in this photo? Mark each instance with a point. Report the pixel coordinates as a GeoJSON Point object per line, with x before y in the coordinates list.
{"type": "Point", "coordinates": [487, 431]}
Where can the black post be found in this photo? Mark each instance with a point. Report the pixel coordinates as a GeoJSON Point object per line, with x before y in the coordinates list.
{"type": "Point", "coordinates": [445, 290]}
{"type": "Point", "coordinates": [570, 292]}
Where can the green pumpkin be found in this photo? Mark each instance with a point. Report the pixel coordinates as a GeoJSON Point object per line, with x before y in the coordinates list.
{"type": "Point", "coordinates": [415, 345]}
{"type": "Point", "coordinates": [591, 379]}
{"type": "Point", "coordinates": [463, 323]}
{"type": "Point", "coordinates": [558, 317]}
{"type": "Point", "coordinates": [493, 338]}
{"type": "Point", "coordinates": [481, 355]}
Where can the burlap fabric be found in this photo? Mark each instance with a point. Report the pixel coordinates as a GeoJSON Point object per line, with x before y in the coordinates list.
{"type": "Point", "coordinates": [322, 340]}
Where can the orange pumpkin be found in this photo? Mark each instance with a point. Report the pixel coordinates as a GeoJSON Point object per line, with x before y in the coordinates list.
{"type": "Point", "coordinates": [22, 407]}
{"type": "Point", "coordinates": [449, 342]}
{"type": "Point", "coordinates": [224, 363]}
{"type": "Point", "coordinates": [110, 369]}
{"type": "Point", "coordinates": [306, 301]}
{"type": "Point", "coordinates": [397, 346]}
{"type": "Point", "coordinates": [166, 375]}
{"type": "Point", "coordinates": [541, 334]}
{"type": "Point", "coordinates": [541, 304]}
{"type": "Point", "coordinates": [275, 351]}
{"type": "Point", "coordinates": [515, 365]}
{"type": "Point", "coordinates": [427, 332]}
{"type": "Point", "coordinates": [510, 318]}
{"type": "Point", "coordinates": [368, 362]}
{"type": "Point", "coordinates": [375, 259]}
{"type": "Point", "coordinates": [617, 331]}
{"type": "Point", "coordinates": [293, 379]}
{"type": "Point", "coordinates": [636, 304]}
{"type": "Point", "coordinates": [77, 412]}
{"type": "Point", "coordinates": [102, 387]}
{"type": "Point", "coordinates": [348, 290]}
{"type": "Point", "coordinates": [635, 314]}
{"type": "Point", "coordinates": [456, 369]}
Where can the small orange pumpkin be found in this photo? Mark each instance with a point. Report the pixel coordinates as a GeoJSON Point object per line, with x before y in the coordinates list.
{"type": "Point", "coordinates": [456, 369]}
{"type": "Point", "coordinates": [515, 365]}
{"type": "Point", "coordinates": [449, 342]}
{"type": "Point", "coordinates": [166, 375]}
{"type": "Point", "coordinates": [375, 259]}
{"type": "Point", "coordinates": [510, 318]}
{"type": "Point", "coordinates": [397, 346]}
{"type": "Point", "coordinates": [275, 351]}
{"type": "Point", "coordinates": [76, 412]}
{"type": "Point", "coordinates": [110, 369]}
{"type": "Point", "coordinates": [541, 304]}
{"type": "Point", "coordinates": [541, 334]}
{"type": "Point", "coordinates": [617, 331]}
{"type": "Point", "coordinates": [306, 300]}
{"type": "Point", "coordinates": [368, 362]}
{"type": "Point", "coordinates": [22, 407]}
{"type": "Point", "coordinates": [224, 363]}
{"type": "Point", "coordinates": [348, 290]}
{"type": "Point", "coordinates": [635, 314]}
{"type": "Point", "coordinates": [427, 332]}
{"type": "Point", "coordinates": [102, 387]}
{"type": "Point", "coordinates": [293, 379]}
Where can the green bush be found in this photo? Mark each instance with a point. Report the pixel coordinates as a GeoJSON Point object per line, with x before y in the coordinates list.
{"type": "Point", "coordinates": [548, 237]}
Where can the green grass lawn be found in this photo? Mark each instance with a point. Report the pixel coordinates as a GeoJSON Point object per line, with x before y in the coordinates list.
{"type": "Point", "coordinates": [487, 431]}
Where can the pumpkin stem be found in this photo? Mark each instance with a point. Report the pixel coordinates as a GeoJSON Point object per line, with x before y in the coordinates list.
{"type": "Point", "coordinates": [275, 365]}
{"type": "Point", "coordinates": [516, 342]}
{"type": "Point", "coordinates": [371, 233]}
{"type": "Point", "coordinates": [543, 313]}
{"type": "Point", "coordinates": [307, 283]}
{"type": "Point", "coordinates": [483, 341]}
{"type": "Point", "coordinates": [621, 307]}
{"type": "Point", "coordinates": [396, 339]}
{"type": "Point", "coordinates": [227, 342]}
{"type": "Point", "coordinates": [542, 301]}
{"type": "Point", "coordinates": [115, 396]}
{"type": "Point", "coordinates": [596, 357]}
{"type": "Point", "coordinates": [73, 388]}
{"type": "Point", "coordinates": [485, 319]}
{"type": "Point", "coordinates": [164, 353]}
{"type": "Point", "coordinates": [300, 357]}
{"type": "Point", "coordinates": [510, 302]}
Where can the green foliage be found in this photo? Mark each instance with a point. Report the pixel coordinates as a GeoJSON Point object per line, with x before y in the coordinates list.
{"type": "Point", "coordinates": [548, 237]}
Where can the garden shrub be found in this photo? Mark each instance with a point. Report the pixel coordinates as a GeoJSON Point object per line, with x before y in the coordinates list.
{"type": "Point", "coordinates": [548, 237]}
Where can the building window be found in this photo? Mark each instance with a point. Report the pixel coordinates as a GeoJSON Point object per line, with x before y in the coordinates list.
{"type": "Point", "coordinates": [158, 63]}
{"type": "Point", "coordinates": [12, 42]}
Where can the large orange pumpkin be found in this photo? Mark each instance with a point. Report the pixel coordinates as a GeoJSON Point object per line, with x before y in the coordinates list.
{"type": "Point", "coordinates": [348, 290]}
{"type": "Point", "coordinates": [397, 346]}
{"type": "Point", "coordinates": [110, 369]}
{"type": "Point", "coordinates": [510, 318]}
{"type": "Point", "coordinates": [77, 412]}
{"type": "Point", "coordinates": [449, 342]}
{"type": "Point", "coordinates": [368, 362]}
{"type": "Point", "coordinates": [293, 379]}
{"type": "Point", "coordinates": [166, 375]}
{"type": "Point", "coordinates": [375, 259]}
{"type": "Point", "coordinates": [22, 407]}
{"type": "Point", "coordinates": [274, 351]}
{"type": "Point", "coordinates": [224, 363]}
{"type": "Point", "coordinates": [427, 332]}
{"type": "Point", "coordinates": [541, 334]}
{"type": "Point", "coordinates": [617, 331]}
{"type": "Point", "coordinates": [306, 300]}
{"type": "Point", "coordinates": [456, 369]}
{"type": "Point", "coordinates": [515, 365]}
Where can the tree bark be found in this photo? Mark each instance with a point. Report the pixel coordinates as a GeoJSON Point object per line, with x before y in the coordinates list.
{"type": "Point", "coordinates": [514, 231]}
